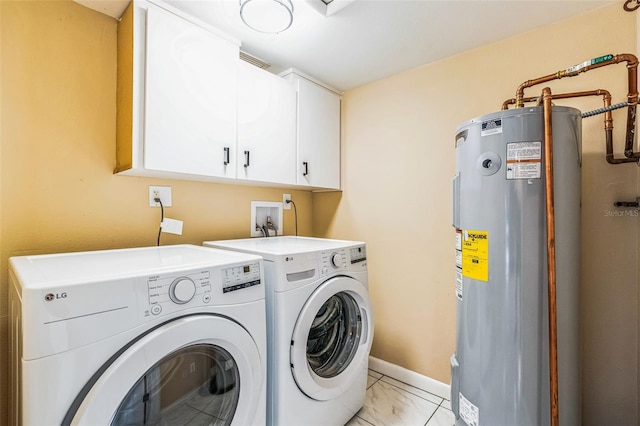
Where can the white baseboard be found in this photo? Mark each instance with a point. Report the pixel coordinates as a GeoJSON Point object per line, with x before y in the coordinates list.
{"type": "Point", "coordinates": [410, 377]}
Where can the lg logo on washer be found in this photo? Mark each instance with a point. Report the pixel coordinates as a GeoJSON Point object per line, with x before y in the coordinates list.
{"type": "Point", "coordinates": [49, 297]}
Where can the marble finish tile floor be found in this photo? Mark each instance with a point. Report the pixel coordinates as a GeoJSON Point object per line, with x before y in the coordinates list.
{"type": "Point", "coordinates": [390, 402]}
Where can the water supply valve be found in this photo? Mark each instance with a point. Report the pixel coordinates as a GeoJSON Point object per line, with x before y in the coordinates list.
{"type": "Point", "coordinates": [628, 204]}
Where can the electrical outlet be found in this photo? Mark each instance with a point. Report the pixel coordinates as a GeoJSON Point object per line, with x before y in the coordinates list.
{"type": "Point", "coordinates": [164, 192]}
{"type": "Point", "coordinates": [285, 198]}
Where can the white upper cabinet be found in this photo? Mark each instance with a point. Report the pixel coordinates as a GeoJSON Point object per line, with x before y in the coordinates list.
{"type": "Point", "coordinates": [266, 127]}
{"type": "Point", "coordinates": [189, 108]}
{"type": "Point", "coordinates": [177, 96]}
{"type": "Point", "coordinates": [318, 138]}
{"type": "Point", "coordinates": [191, 98]}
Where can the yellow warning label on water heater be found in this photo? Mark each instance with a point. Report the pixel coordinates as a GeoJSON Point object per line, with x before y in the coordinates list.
{"type": "Point", "coordinates": [475, 255]}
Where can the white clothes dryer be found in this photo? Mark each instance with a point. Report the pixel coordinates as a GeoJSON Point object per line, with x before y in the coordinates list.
{"type": "Point", "coordinates": [319, 327]}
{"type": "Point", "coordinates": [170, 335]}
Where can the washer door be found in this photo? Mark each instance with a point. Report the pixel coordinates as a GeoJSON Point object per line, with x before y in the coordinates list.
{"type": "Point", "coordinates": [176, 374]}
{"type": "Point", "coordinates": [332, 338]}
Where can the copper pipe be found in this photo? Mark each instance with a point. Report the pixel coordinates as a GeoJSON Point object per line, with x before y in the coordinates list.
{"type": "Point", "coordinates": [632, 66]}
{"type": "Point", "coordinates": [571, 72]}
{"type": "Point", "coordinates": [551, 256]}
{"type": "Point", "coordinates": [505, 104]}
{"type": "Point", "coordinates": [529, 83]}
{"type": "Point", "coordinates": [608, 119]}
{"type": "Point", "coordinates": [632, 94]}
{"type": "Point", "coordinates": [632, 75]}
{"type": "Point", "coordinates": [608, 133]}
{"type": "Point", "coordinates": [598, 92]}
{"type": "Point", "coordinates": [632, 101]}
{"type": "Point", "coordinates": [608, 122]}
{"type": "Point", "coordinates": [609, 155]}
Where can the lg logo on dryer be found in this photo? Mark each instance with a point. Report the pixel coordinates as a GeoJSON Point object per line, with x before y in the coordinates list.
{"type": "Point", "coordinates": [49, 297]}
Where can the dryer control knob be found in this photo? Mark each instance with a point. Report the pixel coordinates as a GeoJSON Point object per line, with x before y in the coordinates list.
{"type": "Point", "coordinates": [336, 260]}
{"type": "Point", "coordinates": [182, 290]}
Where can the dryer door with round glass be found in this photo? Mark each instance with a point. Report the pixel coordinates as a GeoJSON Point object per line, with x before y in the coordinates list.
{"type": "Point", "coordinates": [332, 338]}
{"type": "Point", "coordinates": [175, 375]}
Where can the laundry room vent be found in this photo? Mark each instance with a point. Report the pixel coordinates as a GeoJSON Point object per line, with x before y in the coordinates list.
{"type": "Point", "coordinates": [254, 61]}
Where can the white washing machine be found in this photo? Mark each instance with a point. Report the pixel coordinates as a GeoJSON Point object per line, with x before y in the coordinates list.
{"type": "Point", "coordinates": [319, 327]}
{"type": "Point", "coordinates": [169, 335]}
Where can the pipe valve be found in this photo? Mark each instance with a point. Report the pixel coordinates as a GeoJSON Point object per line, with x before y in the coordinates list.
{"type": "Point", "coordinates": [630, 204]}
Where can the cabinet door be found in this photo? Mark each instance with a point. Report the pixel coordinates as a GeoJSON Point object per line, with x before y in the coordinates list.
{"type": "Point", "coordinates": [318, 136]}
{"type": "Point", "coordinates": [266, 127]}
{"type": "Point", "coordinates": [190, 98]}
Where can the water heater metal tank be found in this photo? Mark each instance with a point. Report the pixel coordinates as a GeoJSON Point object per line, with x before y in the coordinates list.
{"type": "Point", "coordinates": [500, 371]}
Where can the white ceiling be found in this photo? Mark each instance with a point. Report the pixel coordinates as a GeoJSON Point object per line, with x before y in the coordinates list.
{"type": "Point", "coordinates": [373, 39]}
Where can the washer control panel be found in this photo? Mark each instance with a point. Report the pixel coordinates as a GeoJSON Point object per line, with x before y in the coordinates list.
{"type": "Point", "coordinates": [343, 259]}
{"type": "Point", "coordinates": [337, 260]}
{"type": "Point", "coordinates": [332, 261]}
{"type": "Point", "coordinates": [182, 290]}
{"type": "Point", "coordinates": [168, 290]}
{"type": "Point", "coordinates": [239, 277]}
{"type": "Point", "coordinates": [358, 254]}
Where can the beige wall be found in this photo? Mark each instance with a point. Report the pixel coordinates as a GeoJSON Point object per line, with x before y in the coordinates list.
{"type": "Point", "coordinates": [398, 164]}
{"type": "Point", "coordinates": [58, 193]}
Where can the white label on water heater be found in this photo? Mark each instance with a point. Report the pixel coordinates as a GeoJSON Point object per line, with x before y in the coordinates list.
{"type": "Point", "coordinates": [468, 412]}
{"type": "Point", "coordinates": [491, 127]}
{"type": "Point", "coordinates": [524, 160]}
{"type": "Point", "coordinates": [459, 284]}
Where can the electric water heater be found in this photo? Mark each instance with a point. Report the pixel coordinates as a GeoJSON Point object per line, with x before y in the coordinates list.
{"type": "Point", "coordinates": [500, 371]}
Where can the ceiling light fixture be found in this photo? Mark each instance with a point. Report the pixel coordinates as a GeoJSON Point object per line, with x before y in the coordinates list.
{"type": "Point", "coordinates": [267, 16]}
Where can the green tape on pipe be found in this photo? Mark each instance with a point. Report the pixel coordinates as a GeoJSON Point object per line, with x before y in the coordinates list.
{"type": "Point", "coordinates": [599, 59]}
